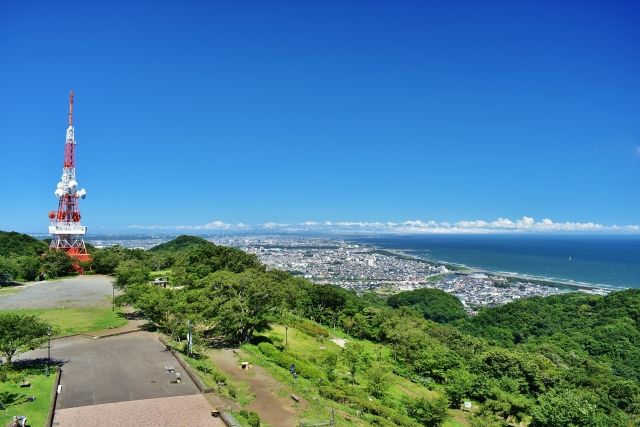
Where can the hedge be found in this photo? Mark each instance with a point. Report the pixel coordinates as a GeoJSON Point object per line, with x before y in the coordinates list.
{"type": "Point", "coordinates": [312, 329]}
{"type": "Point", "coordinates": [303, 368]}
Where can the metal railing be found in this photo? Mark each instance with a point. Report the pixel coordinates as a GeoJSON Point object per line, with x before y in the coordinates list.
{"type": "Point", "coordinates": [316, 423]}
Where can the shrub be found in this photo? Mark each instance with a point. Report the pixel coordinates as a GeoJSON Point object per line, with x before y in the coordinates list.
{"type": "Point", "coordinates": [381, 422]}
{"type": "Point", "coordinates": [329, 392]}
{"type": "Point", "coordinates": [254, 419]}
{"type": "Point", "coordinates": [268, 349]}
{"type": "Point", "coordinates": [367, 405]}
{"type": "Point", "coordinates": [275, 338]}
{"type": "Point", "coordinates": [257, 339]}
{"type": "Point", "coordinates": [244, 413]}
{"type": "Point", "coordinates": [304, 368]}
{"type": "Point", "coordinates": [401, 420]}
{"type": "Point", "coordinates": [219, 376]}
{"type": "Point", "coordinates": [312, 329]}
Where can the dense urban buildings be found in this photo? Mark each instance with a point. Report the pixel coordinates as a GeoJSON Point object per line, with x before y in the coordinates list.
{"type": "Point", "coordinates": [336, 261]}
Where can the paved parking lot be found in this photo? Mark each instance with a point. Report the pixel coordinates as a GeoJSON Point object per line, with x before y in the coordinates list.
{"type": "Point", "coordinates": [116, 369]}
{"type": "Point", "coordinates": [74, 292]}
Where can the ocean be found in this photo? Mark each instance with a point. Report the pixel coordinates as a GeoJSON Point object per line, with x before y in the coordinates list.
{"type": "Point", "coordinates": [610, 261]}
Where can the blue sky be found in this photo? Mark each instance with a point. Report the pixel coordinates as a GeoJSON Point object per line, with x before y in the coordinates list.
{"type": "Point", "coordinates": [382, 115]}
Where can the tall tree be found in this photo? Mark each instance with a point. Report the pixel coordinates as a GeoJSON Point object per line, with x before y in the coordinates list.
{"type": "Point", "coordinates": [241, 303]}
{"type": "Point", "coordinates": [57, 263]}
{"type": "Point", "coordinates": [131, 272]}
{"type": "Point", "coordinates": [19, 333]}
{"type": "Point", "coordinates": [429, 413]}
{"type": "Point", "coordinates": [352, 356]}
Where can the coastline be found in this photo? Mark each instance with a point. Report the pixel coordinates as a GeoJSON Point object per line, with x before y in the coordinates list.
{"type": "Point", "coordinates": [465, 269]}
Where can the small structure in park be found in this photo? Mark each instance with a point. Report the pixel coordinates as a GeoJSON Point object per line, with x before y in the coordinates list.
{"type": "Point", "coordinates": [160, 281]}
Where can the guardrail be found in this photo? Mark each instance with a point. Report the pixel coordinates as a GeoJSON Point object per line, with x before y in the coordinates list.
{"type": "Point", "coordinates": [316, 423]}
{"type": "Point", "coordinates": [228, 419]}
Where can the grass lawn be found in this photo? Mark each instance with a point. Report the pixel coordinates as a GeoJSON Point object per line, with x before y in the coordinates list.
{"type": "Point", "coordinates": [77, 320]}
{"type": "Point", "coordinates": [36, 411]}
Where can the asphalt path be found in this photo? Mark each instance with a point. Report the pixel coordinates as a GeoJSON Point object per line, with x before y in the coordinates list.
{"type": "Point", "coordinates": [115, 369]}
{"type": "Point", "coordinates": [74, 292]}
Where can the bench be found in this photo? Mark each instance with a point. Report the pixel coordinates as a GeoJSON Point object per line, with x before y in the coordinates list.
{"type": "Point", "coordinates": [294, 397]}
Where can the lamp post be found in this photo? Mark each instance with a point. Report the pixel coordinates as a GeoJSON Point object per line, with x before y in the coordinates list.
{"type": "Point", "coordinates": [48, 349]}
{"type": "Point", "coordinates": [286, 337]}
{"type": "Point", "coordinates": [113, 297]}
{"type": "Point", "coordinates": [189, 338]}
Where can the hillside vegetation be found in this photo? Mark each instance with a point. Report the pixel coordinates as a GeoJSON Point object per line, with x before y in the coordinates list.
{"type": "Point", "coordinates": [12, 243]}
{"type": "Point", "coordinates": [23, 258]}
{"type": "Point", "coordinates": [433, 304]}
{"type": "Point", "coordinates": [181, 244]}
{"type": "Point", "coordinates": [567, 360]}
{"type": "Point", "coordinates": [604, 329]}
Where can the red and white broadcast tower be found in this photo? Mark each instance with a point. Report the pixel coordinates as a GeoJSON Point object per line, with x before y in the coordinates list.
{"type": "Point", "coordinates": [65, 222]}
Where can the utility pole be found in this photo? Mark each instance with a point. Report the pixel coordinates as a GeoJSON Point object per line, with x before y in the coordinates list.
{"type": "Point", "coordinates": [189, 338]}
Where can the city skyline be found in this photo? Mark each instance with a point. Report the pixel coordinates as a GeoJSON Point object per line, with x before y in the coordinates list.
{"type": "Point", "coordinates": [390, 117]}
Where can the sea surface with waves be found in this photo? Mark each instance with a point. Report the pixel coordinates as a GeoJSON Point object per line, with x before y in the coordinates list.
{"type": "Point", "coordinates": [598, 260]}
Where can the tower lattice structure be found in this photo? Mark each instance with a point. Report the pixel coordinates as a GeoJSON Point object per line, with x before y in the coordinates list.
{"type": "Point", "coordinates": [65, 227]}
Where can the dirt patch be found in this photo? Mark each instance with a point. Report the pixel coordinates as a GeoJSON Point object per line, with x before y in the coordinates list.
{"type": "Point", "coordinates": [273, 409]}
{"type": "Point", "coordinates": [461, 420]}
{"type": "Point", "coordinates": [406, 390]}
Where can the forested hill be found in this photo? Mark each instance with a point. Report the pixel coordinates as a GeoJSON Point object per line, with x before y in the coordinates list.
{"type": "Point", "coordinates": [182, 244]}
{"type": "Point", "coordinates": [12, 243]}
{"type": "Point", "coordinates": [433, 304]}
{"type": "Point", "coordinates": [605, 328]}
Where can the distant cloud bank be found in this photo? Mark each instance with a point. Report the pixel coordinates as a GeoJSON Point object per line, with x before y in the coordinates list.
{"type": "Point", "coordinates": [525, 224]}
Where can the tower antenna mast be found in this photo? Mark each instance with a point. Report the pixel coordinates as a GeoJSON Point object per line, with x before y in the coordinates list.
{"type": "Point", "coordinates": [71, 109]}
{"type": "Point", "coordinates": [65, 227]}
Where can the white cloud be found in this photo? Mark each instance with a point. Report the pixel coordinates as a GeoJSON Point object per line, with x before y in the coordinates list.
{"type": "Point", "coordinates": [274, 225]}
{"type": "Point", "coordinates": [471, 224]}
{"type": "Point", "coordinates": [209, 226]}
{"type": "Point", "coordinates": [213, 225]}
{"type": "Point", "coordinates": [502, 223]}
{"type": "Point", "coordinates": [359, 224]}
{"type": "Point", "coordinates": [526, 224]}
